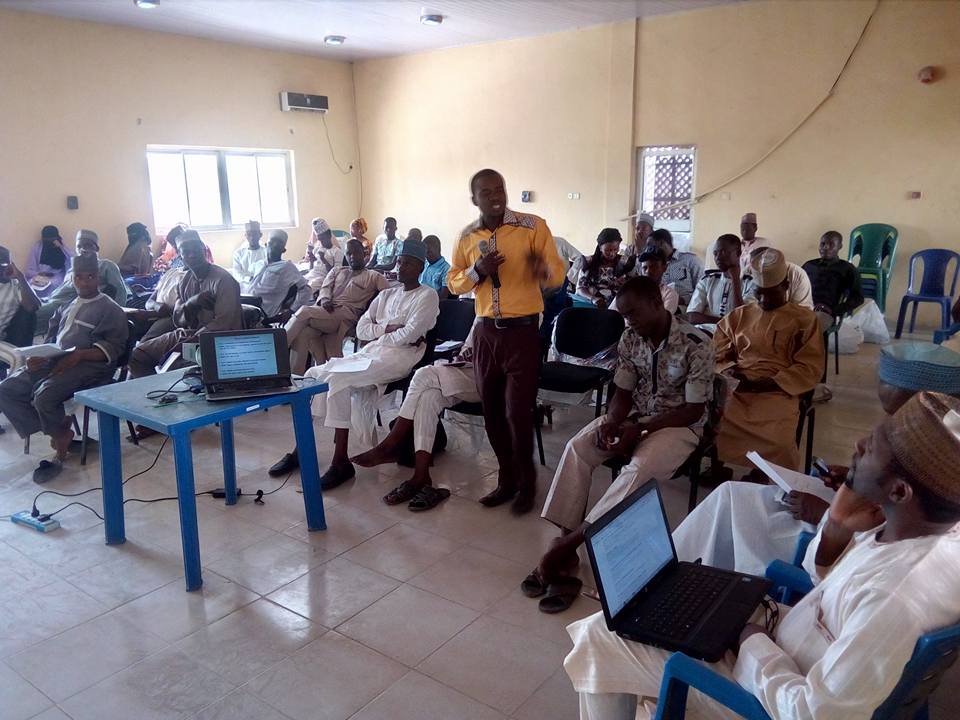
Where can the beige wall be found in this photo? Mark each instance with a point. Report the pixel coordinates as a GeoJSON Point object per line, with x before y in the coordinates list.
{"type": "Point", "coordinates": [537, 110]}
{"type": "Point", "coordinates": [566, 112]}
{"type": "Point", "coordinates": [81, 101]}
{"type": "Point", "coordinates": [556, 114]}
{"type": "Point", "coordinates": [748, 74]}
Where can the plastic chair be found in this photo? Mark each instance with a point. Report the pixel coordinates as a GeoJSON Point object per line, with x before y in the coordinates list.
{"type": "Point", "coordinates": [790, 581]}
{"type": "Point", "coordinates": [940, 335]}
{"type": "Point", "coordinates": [453, 323]}
{"type": "Point", "coordinates": [581, 333]}
{"type": "Point", "coordinates": [876, 245]}
{"type": "Point", "coordinates": [932, 285]}
{"type": "Point", "coordinates": [933, 654]}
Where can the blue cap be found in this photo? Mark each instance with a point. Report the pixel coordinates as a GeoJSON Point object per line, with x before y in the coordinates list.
{"type": "Point", "coordinates": [415, 249]}
{"type": "Point", "coordinates": [921, 366]}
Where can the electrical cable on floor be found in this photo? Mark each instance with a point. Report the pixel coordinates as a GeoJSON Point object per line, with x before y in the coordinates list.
{"type": "Point", "coordinates": [777, 146]}
{"type": "Point", "coordinates": [34, 512]}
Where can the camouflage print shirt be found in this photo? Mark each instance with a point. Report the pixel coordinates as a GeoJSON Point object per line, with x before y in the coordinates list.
{"type": "Point", "coordinates": [664, 378]}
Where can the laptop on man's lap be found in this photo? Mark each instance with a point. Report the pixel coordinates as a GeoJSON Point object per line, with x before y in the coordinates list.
{"type": "Point", "coordinates": [650, 597]}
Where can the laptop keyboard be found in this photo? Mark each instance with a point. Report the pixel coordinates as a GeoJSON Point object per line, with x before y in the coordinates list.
{"type": "Point", "coordinates": [685, 603]}
{"type": "Point", "coordinates": [249, 386]}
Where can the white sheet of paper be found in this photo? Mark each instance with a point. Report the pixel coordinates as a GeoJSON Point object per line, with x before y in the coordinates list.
{"type": "Point", "coordinates": [46, 350]}
{"type": "Point", "coordinates": [791, 479]}
{"type": "Point", "coordinates": [353, 363]}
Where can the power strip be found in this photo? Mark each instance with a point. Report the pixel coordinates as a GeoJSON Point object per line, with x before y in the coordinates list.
{"type": "Point", "coordinates": [25, 518]}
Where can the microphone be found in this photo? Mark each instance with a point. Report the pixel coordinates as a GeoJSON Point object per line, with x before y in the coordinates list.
{"type": "Point", "coordinates": [484, 247]}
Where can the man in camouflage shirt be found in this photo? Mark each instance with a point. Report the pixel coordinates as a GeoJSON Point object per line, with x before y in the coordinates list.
{"type": "Point", "coordinates": [664, 381]}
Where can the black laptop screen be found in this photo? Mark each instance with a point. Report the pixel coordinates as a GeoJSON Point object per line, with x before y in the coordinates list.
{"type": "Point", "coordinates": [631, 549]}
{"type": "Point", "coordinates": [245, 356]}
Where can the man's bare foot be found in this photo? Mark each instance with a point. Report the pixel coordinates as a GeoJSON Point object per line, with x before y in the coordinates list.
{"type": "Point", "coordinates": [61, 443]}
{"type": "Point", "coordinates": [559, 560]}
{"type": "Point", "coordinates": [379, 455]}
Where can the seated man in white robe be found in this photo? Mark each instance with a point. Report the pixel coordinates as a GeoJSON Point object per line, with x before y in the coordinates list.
{"type": "Point", "coordinates": [886, 565]}
{"type": "Point", "coordinates": [664, 379]}
{"type": "Point", "coordinates": [395, 326]}
{"type": "Point", "coordinates": [274, 282]}
{"type": "Point", "coordinates": [744, 526]}
{"type": "Point", "coordinates": [433, 389]}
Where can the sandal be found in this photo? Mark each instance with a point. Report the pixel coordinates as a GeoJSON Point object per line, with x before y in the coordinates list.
{"type": "Point", "coordinates": [404, 492]}
{"type": "Point", "coordinates": [428, 498]}
{"type": "Point", "coordinates": [533, 585]}
{"type": "Point", "coordinates": [47, 470]}
{"type": "Point", "coordinates": [560, 595]}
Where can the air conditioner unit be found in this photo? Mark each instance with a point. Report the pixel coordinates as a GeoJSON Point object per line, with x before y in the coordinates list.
{"type": "Point", "coordinates": [301, 101]}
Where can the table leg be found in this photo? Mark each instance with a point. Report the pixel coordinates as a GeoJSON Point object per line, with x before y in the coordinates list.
{"type": "Point", "coordinates": [189, 534]}
{"type": "Point", "coordinates": [309, 471]}
{"type": "Point", "coordinates": [111, 476]}
{"type": "Point", "coordinates": [229, 462]}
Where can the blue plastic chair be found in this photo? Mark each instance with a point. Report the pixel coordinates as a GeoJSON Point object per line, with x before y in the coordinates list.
{"type": "Point", "coordinates": [940, 335]}
{"type": "Point", "coordinates": [876, 246]}
{"type": "Point", "coordinates": [933, 283]}
{"type": "Point", "coordinates": [932, 655]}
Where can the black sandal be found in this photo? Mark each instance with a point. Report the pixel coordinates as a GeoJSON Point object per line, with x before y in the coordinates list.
{"type": "Point", "coordinates": [404, 492]}
{"type": "Point", "coordinates": [428, 498]}
{"type": "Point", "coordinates": [533, 585]}
{"type": "Point", "coordinates": [47, 470]}
{"type": "Point", "coordinates": [560, 595]}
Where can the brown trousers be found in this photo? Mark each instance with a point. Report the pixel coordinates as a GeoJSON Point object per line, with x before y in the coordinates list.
{"type": "Point", "coordinates": [507, 367]}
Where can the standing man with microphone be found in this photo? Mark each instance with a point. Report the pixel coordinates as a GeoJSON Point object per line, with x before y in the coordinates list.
{"type": "Point", "coordinates": [507, 259]}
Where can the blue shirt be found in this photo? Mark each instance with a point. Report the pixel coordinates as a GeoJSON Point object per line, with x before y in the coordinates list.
{"type": "Point", "coordinates": [435, 274]}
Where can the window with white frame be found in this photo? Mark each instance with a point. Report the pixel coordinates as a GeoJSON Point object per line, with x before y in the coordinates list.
{"type": "Point", "coordinates": [220, 188]}
{"type": "Point", "coordinates": [666, 187]}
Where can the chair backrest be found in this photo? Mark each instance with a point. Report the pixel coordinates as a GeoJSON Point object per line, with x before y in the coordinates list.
{"type": "Point", "coordinates": [253, 316]}
{"type": "Point", "coordinates": [455, 320]}
{"type": "Point", "coordinates": [585, 332]}
{"type": "Point", "coordinates": [341, 234]}
{"type": "Point", "coordinates": [933, 281]}
{"type": "Point", "coordinates": [933, 654]}
{"type": "Point", "coordinates": [291, 295]}
{"type": "Point", "coordinates": [874, 243]}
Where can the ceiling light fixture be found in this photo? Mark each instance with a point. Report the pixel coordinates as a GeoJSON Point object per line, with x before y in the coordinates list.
{"type": "Point", "coordinates": [146, 4]}
{"type": "Point", "coordinates": [334, 40]}
{"type": "Point", "coordinates": [431, 18]}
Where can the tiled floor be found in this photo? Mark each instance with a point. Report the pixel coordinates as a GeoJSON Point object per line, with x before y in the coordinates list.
{"type": "Point", "coordinates": [387, 614]}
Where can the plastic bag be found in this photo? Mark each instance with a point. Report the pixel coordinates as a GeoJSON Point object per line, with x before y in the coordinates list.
{"type": "Point", "coordinates": [872, 323]}
{"type": "Point", "coordinates": [849, 337]}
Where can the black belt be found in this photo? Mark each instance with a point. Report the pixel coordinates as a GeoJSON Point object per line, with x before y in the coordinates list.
{"type": "Point", "coordinates": [502, 323]}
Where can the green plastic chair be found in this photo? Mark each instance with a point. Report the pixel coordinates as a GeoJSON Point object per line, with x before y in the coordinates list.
{"type": "Point", "coordinates": [876, 246]}
{"type": "Point", "coordinates": [341, 234]}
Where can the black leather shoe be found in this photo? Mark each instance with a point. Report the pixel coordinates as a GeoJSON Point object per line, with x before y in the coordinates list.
{"type": "Point", "coordinates": [523, 503]}
{"type": "Point", "coordinates": [498, 497]}
{"type": "Point", "coordinates": [337, 475]}
{"type": "Point", "coordinates": [287, 464]}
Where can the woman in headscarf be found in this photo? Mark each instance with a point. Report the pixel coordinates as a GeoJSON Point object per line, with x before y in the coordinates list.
{"type": "Point", "coordinates": [606, 271]}
{"type": "Point", "coordinates": [137, 260]}
{"type": "Point", "coordinates": [49, 262]}
{"type": "Point", "coordinates": [358, 231]}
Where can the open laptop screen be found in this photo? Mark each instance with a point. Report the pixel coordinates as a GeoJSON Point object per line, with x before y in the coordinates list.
{"type": "Point", "coordinates": [631, 549]}
{"type": "Point", "coordinates": [245, 356]}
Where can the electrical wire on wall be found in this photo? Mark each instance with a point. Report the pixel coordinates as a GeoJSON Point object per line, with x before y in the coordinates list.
{"type": "Point", "coordinates": [778, 145]}
{"type": "Point", "coordinates": [356, 134]}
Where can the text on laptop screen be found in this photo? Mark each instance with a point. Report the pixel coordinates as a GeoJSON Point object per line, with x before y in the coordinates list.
{"type": "Point", "coordinates": [631, 550]}
{"type": "Point", "coordinates": [245, 356]}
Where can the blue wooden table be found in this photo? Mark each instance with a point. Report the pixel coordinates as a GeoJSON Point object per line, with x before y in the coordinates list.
{"type": "Point", "coordinates": [128, 400]}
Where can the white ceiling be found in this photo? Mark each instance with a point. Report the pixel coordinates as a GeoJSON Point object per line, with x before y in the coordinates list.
{"type": "Point", "coordinates": [374, 28]}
